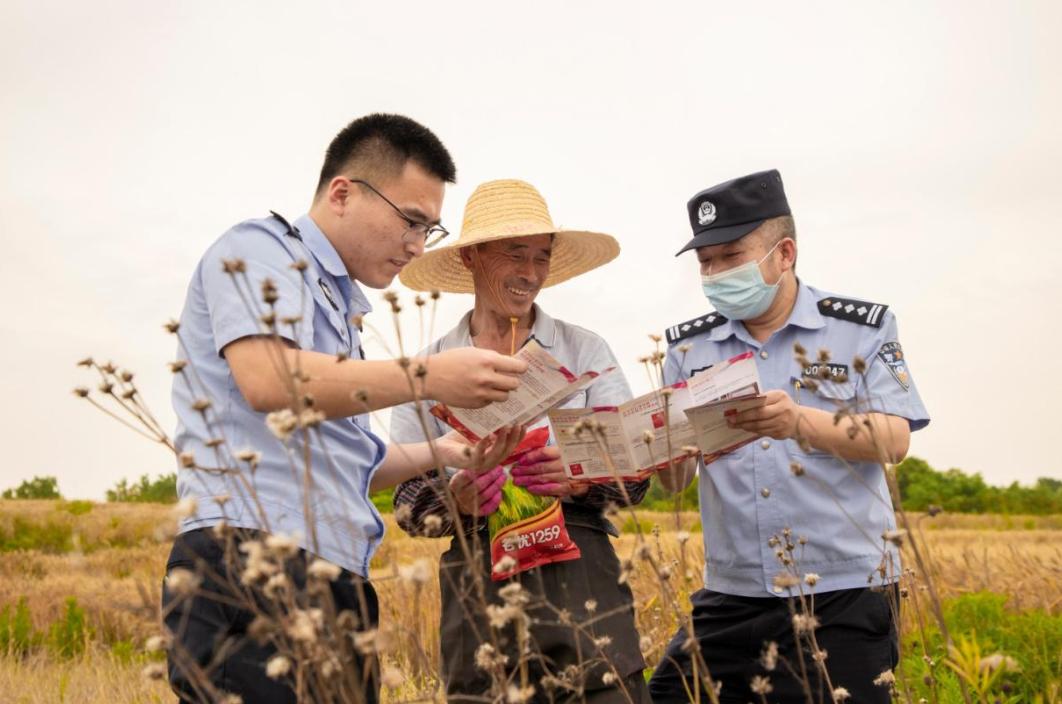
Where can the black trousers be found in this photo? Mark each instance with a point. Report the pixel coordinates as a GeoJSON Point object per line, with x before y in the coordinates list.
{"type": "Point", "coordinates": [857, 630]}
{"type": "Point", "coordinates": [554, 645]}
{"type": "Point", "coordinates": [212, 650]}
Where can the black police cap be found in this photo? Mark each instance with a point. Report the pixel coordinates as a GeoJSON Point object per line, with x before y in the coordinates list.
{"type": "Point", "coordinates": [731, 210]}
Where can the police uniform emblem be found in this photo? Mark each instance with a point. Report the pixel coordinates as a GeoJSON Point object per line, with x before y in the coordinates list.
{"type": "Point", "coordinates": [706, 213]}
{"type": "Point", "coordinates": [892, 355]}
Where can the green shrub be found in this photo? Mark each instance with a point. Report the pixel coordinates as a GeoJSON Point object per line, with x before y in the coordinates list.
{"type": "Point", "coordinates": [161, 490]}
{"type": "Point", "coordinates": [50, 536]}
{"type": "Point", "coordinates": [1033, 638]}
{"type": "Point", "coordinates": [17, 635]}
{"type": "Point", "coordinates": [75, 508]}
{"type": "Point", "coordinates": [67, 636]}
{"type": "Point", "coordinates": [36, 488]}
{"type": "Point", "coordinates": [383, 500]}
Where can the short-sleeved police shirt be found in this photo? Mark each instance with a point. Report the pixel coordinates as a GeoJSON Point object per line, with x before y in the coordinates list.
{"type": "Point", "coordinates": [752, 494]}
{"type": "Point", "coordinates": [314, 310]}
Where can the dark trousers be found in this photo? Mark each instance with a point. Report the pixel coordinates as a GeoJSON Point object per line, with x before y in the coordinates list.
{"type": "Point", "coordinates": [857, 630]}
{"type": "Point", "coordinates": [555, 645]}
{"type": "Point", "coordinates": [214, 653]}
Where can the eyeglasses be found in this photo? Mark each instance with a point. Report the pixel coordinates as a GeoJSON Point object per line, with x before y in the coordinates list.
{"type": "Point", "coordinates": [431, 235]}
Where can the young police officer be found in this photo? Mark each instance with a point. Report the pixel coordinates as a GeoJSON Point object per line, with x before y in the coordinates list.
{"type": "Point", "coordinates": [271, 324]}
{"type": "Point", "coordinates": [813, 478]}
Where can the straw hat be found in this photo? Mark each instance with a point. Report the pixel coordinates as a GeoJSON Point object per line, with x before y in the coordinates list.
{"type": "Point", "coordinates": [499, 210]}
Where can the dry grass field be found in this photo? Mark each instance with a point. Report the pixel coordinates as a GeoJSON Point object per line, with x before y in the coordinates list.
{"type": "Point", "coordinates": [110, 557]}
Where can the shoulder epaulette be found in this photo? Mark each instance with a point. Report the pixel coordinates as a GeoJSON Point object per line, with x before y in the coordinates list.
{"type": "Point", "coordinates": [291, 230]}
{"type": "Point", "coordinates": [692, 327]}
{"type": "Point", "coordinates": [853, 311]}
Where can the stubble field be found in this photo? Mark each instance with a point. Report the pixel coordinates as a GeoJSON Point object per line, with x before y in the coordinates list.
{"type": "Point", "coordinates": [77, 581]}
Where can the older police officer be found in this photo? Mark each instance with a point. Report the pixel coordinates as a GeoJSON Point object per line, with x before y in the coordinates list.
{"type": "Point", "coordinates": [271, 326]}
{"type": "Point", "coordinates": [813, 478]}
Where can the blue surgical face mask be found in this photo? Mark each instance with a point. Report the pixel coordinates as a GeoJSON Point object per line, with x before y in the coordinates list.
{"type": "Point", "coordinates": [740, 293]}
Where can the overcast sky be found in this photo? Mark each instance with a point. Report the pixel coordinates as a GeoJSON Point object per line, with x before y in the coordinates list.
{"type": "Point", "coordinates": [919, 143]}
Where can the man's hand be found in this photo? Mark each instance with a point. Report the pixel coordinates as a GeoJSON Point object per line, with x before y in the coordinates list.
{"type": "Point", "coordinates": [542, 473]}
{"type": "Point", "coordinates": [478, 494]}
{"type": "Point", "coordinates": [467, 377]}
{"type": "Point", "coordinates": [777, 418]}
{"type": "Point", "coordinates": [455, 451]}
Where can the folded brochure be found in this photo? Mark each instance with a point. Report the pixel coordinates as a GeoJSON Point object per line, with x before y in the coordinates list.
{"type": "Point", "coordinates": [545, 384]}
{"type": "Point", "coordinates": [632, 440]}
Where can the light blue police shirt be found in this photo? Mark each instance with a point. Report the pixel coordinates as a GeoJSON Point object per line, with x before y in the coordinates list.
{"type": "Point", "coordinates": [751, 494]}
{"type": "Point", "coordinates": [344, 526]}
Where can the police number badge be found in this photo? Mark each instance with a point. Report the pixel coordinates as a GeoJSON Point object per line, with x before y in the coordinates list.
{"type": "Point", "coordinates": [706, 213]}
{"type": "Point", "coordinates": [892, 355]}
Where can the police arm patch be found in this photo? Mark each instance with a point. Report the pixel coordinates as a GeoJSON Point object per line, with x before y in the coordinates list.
{"type": "Point", "coordinates": [891, 354]}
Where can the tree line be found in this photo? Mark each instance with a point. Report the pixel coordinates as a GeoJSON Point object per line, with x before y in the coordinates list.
{"type": "Point", "coordinates": [921, 487]}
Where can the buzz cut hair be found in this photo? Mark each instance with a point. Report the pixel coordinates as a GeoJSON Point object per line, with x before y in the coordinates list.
{"type": "Point", "coordinates": [777, 229]}
{"type": "Point", "coordinates": [376, 147]}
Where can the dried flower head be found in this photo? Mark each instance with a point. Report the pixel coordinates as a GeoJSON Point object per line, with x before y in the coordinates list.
{"type": "Point", "coordinates": [433, 524]}
{"type": "Point", "coordinates": [182, 581]}
{"type": "Point", "coordinates": [86, 362]}
{"type": "Point", "coordinates": [418, 572]}
{"type": "Point", "coordinates": [233, 266]}
{"type": "Point", "coordinates": [761, 685]}
{"type": "Point", "coordinates": [811, 579]}
{"type": "Point", "coordinates": [894, 536]}
{"type": "Point", "coordinates": [519, 695]}
{"type": "Point", "coordinates": [301, 627]}
{"type": "Point", "coordinates": [995, 661]}
{"type": "Point", "coordinates": [859, 365]}
{"type": "Point", "coordinates": [783, 581]}
{"type": "Point", "coordinates": [154, 671]}
{"type": "Point", "coordinates": [269, 291]}
{"type": "Point", "coordinates": [769, 656]}
{"type": "Point", "coordinates": [609, 678]}
{"type": "Point", "coordinates": [158, 643]}
{"type": "Point", "coordinates": [841, 694]}
{"type": "Point", "coordinates": [249, 456]}
{"type": "Point", "coordinates": [805, 623]}
{"type": "Point", "coordinates": [885, 679]}
{"type": "Point", "coordinates": [506, 564]}
{"type": "Point", "coordinates": [282, 545]}
{"type": "Point", "coordinates": [81, 392]}
{"type": "Point", "coordinates": [282, 423]}
{"type": "Point", "coordinates": [590, 605]}
{"type": "Point", "coordinates": [300, 265]}
{"type": "Point", "coordinates": [324, 570]}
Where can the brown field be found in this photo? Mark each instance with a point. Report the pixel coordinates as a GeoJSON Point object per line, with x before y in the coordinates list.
{"type": "Point", "coordinates": [124, 548]}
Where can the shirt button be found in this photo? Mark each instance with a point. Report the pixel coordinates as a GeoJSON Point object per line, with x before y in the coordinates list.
{"type": "Point", "coordinates": [765, 444]}
{"type": "Point", "coordinates": [763, 354]}
{"type": "Point", "coordinates": [765, 492]}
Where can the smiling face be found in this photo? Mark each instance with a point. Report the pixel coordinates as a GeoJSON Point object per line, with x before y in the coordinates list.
{"type": "Point", "coordinates": [756, 246]}
{"type": "Point", "coordinates": [367, 232]}
{"type": "Point", "coordinates": [509, 273]}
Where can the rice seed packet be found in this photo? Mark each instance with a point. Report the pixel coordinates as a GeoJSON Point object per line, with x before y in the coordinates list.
{"type": "Point", "coordinates": [527, 530]}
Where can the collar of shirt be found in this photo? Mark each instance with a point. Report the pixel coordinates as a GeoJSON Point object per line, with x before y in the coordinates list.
{"type": "Point", "coordinates": [805, 314]}
{"type": "Point", "coordinates": [328, 259]}
{"type": "Point", "coordinates": [543, 331]}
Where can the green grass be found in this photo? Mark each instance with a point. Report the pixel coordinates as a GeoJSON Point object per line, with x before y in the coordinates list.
{"type": "Point", "coordinates": [1033, 638]}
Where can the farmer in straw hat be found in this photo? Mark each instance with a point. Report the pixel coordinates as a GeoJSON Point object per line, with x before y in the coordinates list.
{"type": "Point", "coordinates": [508, 250]}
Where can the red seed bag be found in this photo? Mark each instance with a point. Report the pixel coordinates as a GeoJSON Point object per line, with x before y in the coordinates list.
{"type": "Point", "coordinates": [525, 527]}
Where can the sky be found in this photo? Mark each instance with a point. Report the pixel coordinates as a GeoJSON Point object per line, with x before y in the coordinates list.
{"type": "Point", "coordinates": [919, 144]}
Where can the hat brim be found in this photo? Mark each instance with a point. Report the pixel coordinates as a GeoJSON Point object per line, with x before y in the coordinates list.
{"type": "Point", "coordinates": [575, 252]}
{"type": "Point", "coordinates": [721, 235]}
